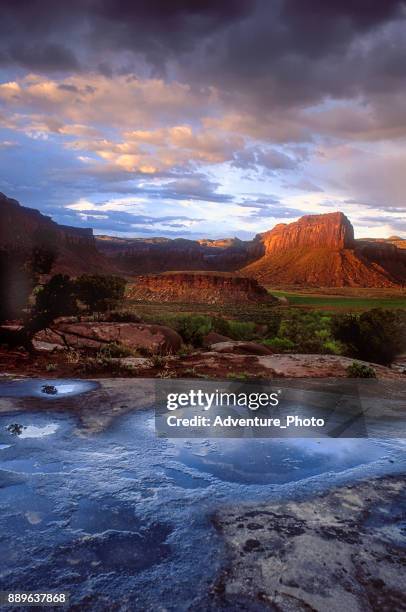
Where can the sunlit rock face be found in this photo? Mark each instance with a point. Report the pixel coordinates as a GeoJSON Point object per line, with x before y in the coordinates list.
{"type": "Point", "coordinates": [332, 231]}
{"type": "Point", "coordinates": [320, 251]}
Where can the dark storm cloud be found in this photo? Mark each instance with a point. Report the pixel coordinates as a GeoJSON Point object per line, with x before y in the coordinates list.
{"type": "Point", "coordinates": [286, 52]}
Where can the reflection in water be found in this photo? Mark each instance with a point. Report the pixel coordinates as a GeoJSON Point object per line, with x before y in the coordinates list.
{"type": "Point", "coordinates": [110, 516]}
{"type": "Point", "coordinates": [46, 389]}
{"type": "Point", "coordinates": [272, 461]}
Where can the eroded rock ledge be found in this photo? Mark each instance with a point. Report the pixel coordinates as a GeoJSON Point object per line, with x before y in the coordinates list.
{"type": "Point", "coordinates": [198, 287]}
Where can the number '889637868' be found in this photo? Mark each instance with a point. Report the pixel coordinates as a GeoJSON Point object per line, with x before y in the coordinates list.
{"type": "Point", "coordinates": [33, 599]}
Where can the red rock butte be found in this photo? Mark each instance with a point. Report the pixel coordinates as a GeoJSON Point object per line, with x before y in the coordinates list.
{"type": "Point", "coordinates": [333, 231]}
{"type": "Point", "coordinates": [321, 251]}
{"type": "Point", "coordinates": [315, 251]}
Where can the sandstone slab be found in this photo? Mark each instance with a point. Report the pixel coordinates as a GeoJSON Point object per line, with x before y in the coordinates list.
{"type": "Point", "coordinates": [343, 550]}
{"type": "Point", "coordinates": [87, 335]}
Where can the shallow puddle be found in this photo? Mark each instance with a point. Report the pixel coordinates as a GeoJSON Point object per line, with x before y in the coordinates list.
{"type": "Point", "coordinates": [273, 461]}
{"type": "Point", "coordinates": [46, 389]}
{"type": "Point", "coordinates": [110, 516]}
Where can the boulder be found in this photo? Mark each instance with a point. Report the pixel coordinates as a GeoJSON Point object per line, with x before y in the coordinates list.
{"type": "Point", "coordinates": [213, 337]}
{"type": "Point", "coordinates": [93, 335]}
{"type": "Point", "coordinates": [241, 348]}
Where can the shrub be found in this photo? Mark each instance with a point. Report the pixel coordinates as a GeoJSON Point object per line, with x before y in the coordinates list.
{"type": "Point", "coordinates": [193, 328]}
{"type": "Point", "coordinates": [100, 292]}
{"type": "Point", "coordinates": [237, 330]}
{"type": "Point", "coordinates": [122, 316]}
{"type": "Point", "coordinates": [333, 347]}
{"type": "Point", "coordinates": [113, 350]}
{"type": "Point", "coordinates": [185, 350]}
{"type": "Point", "coordinates": [360, 370]}
{"type": "Point", "coordinates": [376, 335]}
{"type": "Point", "coordinates": [54, 299]}
{"type": "Point", "coordinates": [279, 344]}
{"type": "Point", "coordinates": [241, 330]}
{"type": "Point", "coordinates": [105, 365]}
{"type": "Point", "coordinates": [308, 331]}
{"type": "Point", "coordinates": [221, 326]}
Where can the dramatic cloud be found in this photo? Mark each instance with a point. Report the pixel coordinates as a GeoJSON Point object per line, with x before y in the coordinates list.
{"type": "Point", "coordinates": [205, 106]}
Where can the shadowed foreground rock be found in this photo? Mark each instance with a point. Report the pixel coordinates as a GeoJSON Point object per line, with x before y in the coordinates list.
{"type": "Point", "coordinates": [344, 550]}
{"type": "Point", "coordinates": [86, 335]}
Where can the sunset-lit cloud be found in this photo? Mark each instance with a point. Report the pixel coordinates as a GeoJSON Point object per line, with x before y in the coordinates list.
{"type": "Point", "coordinates": [214, 119]}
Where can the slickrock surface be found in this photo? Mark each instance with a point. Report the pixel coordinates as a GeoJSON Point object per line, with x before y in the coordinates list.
{"type": "Point", "coordinates": [343, 550]}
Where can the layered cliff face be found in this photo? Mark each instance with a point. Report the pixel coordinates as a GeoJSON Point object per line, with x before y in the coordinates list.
{"type": "Point", "coordinates": [153, 255]}
{"type": "Point", "coordinates": [315, 251]}
{"type": "Point", "coordinates": [23, 228]}
{"type": "Point", "coordinates": [198, 287]}
{"type": "Point", "coordinates": [332, 231]}
{"type": "Point", "coordinates": [320, 251]}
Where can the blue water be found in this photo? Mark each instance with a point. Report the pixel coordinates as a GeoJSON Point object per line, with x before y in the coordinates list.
{"type": "Point", "coordinates": [122, 518]}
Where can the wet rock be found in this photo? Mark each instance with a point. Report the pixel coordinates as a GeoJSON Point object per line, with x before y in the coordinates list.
{"type": "Point", "coordinates": [341, 550]}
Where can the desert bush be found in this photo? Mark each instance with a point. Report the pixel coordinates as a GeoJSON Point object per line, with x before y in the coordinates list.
{"type": "Point", "coordinates": [360, 370]}
{"type": "Point", "coordinates": [113, 350]}
{"type": "Point", "coordinates": [106, 365]}
{"type": "Point", "coordinates": [54, 299]}
{"type": "Point", "coordinates": [100, 292]}
{"type": "Point", "coordinates": [185, 350]}
{"type": "Point", "coordinates": [122, 316]}
{"type": "Point", "coordinates": [193, 328]}
{"type": "Point", "coordinates": [241, 330]}
{"type": "Point", "coordinates": [279, 344]}
{"type": "Point", "coordinates": [376, 335]}
{"type": "Point", "coordinates": [333, 347]}
{"type": "Point", "coordinates": [309, 332]}
{"type": "Point", "coordinates": [221, 326]}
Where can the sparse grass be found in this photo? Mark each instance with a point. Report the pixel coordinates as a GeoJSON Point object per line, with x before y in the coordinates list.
{"type": "Point", "coordinates": [72, 356]}
{"type": "Point", "coordinates": [114, 349]}
{"type": "Point", "coordinates": [242, 376]}
{"type": "Point", "coordinates": [51, 367]}
{"type": "Point", "coordinates": [105, 365]}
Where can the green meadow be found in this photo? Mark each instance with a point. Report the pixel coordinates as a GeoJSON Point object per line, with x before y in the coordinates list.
{"type": "Point", "coordinates": [350, 302]}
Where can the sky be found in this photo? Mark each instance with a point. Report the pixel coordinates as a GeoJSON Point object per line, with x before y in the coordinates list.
{"type": "Point", "coordinates": [204, 118]}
